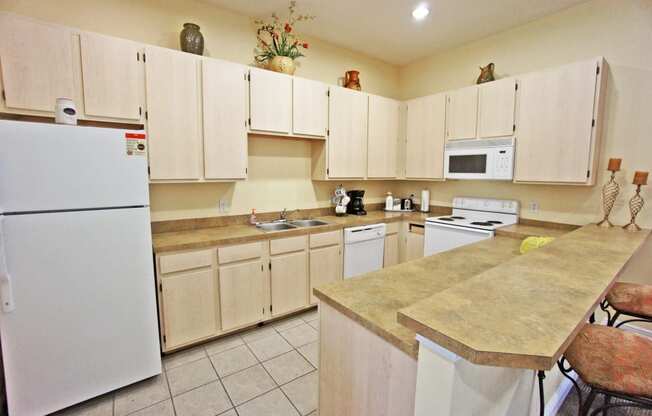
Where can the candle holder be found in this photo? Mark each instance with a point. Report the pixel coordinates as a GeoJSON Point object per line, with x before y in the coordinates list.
{"type": "Point", "coordinates": [610, 192]}
{"type": "Point", "coordinates": [635, 206]}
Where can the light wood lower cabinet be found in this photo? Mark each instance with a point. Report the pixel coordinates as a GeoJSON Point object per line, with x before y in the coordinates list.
{"type": "Point", "coordinates": [325, 267]}
{"type": "Point", "coordinates": [391, 250]}
{"type": "Point", "coordinates": [414, 241]}
{"type": "Point", "coordinates": [289, 282]}
{"type": "Point", "coordinates": [188, 297]}
{"type": "Point", "coordinates": [190, 310]}
{"type": "Point", "coordinates": [242, 294]}
{"type": "Point", "coordinates": [325, 259]}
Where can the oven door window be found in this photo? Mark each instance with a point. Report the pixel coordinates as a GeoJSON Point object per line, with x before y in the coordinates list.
{"type": "Point", "coordinates": [467, 163]}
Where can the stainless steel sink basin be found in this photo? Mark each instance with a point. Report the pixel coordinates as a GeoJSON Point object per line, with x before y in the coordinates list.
{"type": "Point", "coordinates": [275, 226]}
{"type": "Point", "coordinates": [308, 223]}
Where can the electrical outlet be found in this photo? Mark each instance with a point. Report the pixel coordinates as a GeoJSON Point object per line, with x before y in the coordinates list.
{"type": "Point", "coordinates": [534, 206]}
{"type": "Point", "coordinates": [224, 205]}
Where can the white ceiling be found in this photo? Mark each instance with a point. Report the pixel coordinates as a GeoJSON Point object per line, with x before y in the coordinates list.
{"type": "Point", "coordinates": [386, 30]}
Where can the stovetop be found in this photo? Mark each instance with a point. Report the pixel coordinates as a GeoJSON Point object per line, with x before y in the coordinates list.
{"type": "Point", "coordinates": [476, 219]}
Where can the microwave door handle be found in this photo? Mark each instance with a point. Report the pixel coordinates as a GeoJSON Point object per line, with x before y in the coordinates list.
{"type": "Point", "coordinates": [6, 290]}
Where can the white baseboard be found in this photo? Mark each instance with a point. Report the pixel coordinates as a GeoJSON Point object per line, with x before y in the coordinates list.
{"type": "Point", "coordinates": [554, 404]}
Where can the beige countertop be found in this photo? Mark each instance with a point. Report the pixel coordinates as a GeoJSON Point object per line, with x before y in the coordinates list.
{"type": "Point", "coordinates": [242, 233]}
{"type": "Point", "coordinates": [374, 299]}
{"type": "Point", "coordinates": [525, 312]}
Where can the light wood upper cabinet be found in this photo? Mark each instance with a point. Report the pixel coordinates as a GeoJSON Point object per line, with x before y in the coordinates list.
{"type": "Point", "coordinates": [270, 101]}
{"type": "Point", "coordinates": [462, 113]}
{"type": "Point", "coordinates": [190, 307]}
{"type": "Point", "coordinates": [37, 64]}
{"type": "Point", "coordinates": [309, 107]}
{"type": "Point", "coordinates": [242, 294]}
{"type": "Point", "coordinates": [347, 142]}
{"type": "Point", "coordinates": [113, 77]}
{"type": "Point", "coordinates": [173, 105]}
{"type": "Point", "coordinates": [383, 137]}
{"type": "Point", "coordinates": [496, 102]}
{"type": "Point", "coordinates": [556, 136]}
{"type": "Point", "coordinates": [289, 282]}
{"type": "Point", "coordinates": [424, 148]}
{"type": "Point", "coordinates": [225, 114]}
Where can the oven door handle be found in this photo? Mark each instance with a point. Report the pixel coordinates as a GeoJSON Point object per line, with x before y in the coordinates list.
{"type": "Point", "coordinates": [432, 225]}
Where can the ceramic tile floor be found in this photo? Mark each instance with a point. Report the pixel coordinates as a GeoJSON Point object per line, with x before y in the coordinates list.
{"type": "Point", "coordinates": [267, 371]}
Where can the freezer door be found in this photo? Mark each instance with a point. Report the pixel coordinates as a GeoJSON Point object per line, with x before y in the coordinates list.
{"type": "Point", "coordinates": [84, 320]}
{"type": "Point", "coordinates": [46, 167]}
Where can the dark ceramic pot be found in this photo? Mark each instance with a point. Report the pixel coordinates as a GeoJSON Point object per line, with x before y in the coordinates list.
{"type": "Point", "coordinates": [192, 40]}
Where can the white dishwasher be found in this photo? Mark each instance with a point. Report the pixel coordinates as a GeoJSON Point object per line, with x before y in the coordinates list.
{"type": "Point", "coordinates": [364, 248]}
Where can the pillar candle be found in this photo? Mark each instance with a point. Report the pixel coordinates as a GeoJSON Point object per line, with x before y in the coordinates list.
{"type": "Point", "coordinates": [614, 165]}
{"type": "Point", "coordinates": [640, 178]}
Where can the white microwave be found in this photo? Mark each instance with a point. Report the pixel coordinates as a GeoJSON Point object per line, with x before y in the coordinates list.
{"type": "Point", "coordinates": [490, 159]}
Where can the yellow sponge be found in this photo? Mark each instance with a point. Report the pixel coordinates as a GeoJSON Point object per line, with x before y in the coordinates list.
{"type": "Point", "coordinates": [531, 243]}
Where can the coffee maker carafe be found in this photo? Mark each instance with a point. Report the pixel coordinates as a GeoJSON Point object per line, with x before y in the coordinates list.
{"type": "Point", "coordinates": [356, 206]}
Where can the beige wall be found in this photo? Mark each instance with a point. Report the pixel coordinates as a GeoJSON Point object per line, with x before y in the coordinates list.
{"type": "Point", "coordinates": [620, 31]}
{"type": "Point", "coordinates": [279, 170]}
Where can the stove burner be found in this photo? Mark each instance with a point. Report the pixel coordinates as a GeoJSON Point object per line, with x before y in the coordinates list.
{"type": "Point", "coordinates": [486, 224]}
{"type": "Point", "coordinates": [458, 218]}
{"type": "Point", "coordinates": [446, 219]}
{"type": "Point", "coordinates": [495, 222]}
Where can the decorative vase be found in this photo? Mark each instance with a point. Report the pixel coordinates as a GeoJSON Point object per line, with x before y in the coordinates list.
{"type": "Point", "coordinates": [283, 64]}
{"type": "Point", "coordinates": [191, 39]}
{"type": "Point", "coordinates": [352, 80]}
{"type": "Point", "coordinates": [486, 74]}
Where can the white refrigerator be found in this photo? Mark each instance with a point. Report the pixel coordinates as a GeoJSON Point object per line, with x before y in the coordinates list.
{"type": "Point", "coordinates": [77, 284]}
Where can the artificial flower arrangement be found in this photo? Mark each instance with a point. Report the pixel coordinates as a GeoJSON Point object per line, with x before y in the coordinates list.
{"type": "Point", "coordinates": [278, 45]}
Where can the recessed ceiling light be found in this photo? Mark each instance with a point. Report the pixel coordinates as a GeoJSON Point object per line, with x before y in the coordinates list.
{"type": "Point", "coordinates": [420, 12]}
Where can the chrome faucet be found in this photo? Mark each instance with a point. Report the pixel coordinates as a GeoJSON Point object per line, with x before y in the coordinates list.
{"type": "Point", "coordinates": [285, 213]}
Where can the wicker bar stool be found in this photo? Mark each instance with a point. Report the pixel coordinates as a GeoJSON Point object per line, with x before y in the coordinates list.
{"type": "Point", "coordinates": [628, 299]}
{"type": "Point", "coordinates": [612, 362]}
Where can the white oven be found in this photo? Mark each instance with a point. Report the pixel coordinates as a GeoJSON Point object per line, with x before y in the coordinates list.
{"type": "Point", "coordinates": [491, 159]}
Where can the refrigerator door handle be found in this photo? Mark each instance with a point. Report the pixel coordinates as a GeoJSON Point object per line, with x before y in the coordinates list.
{"type": "Point", "coordinates": [6, 291]}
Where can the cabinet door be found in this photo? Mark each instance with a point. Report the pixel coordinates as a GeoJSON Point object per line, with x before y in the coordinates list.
{"type": "Point", "coordinates": [391, 250]}
{"type": "Point", "coordinates": [496, 102]}
{"type": "Point", "coordinates": [175, 143]}
{"type": "Point", "coordinates": [555, 117]}
{"type": "Point", "coordinates": [113, 77]}
{"type": "Point", "coordinates": [37, 63]}
{"type": "Point", "coordinates": [424, 150]}
{"type": "Point", "coordinates": [242, 288]}
{"type": "Point", "coordinates": [309, 107]}
{"type": "Point", "coordinates": [462, 113]}
{"type": "Point", "coordinates": [383, 137]}
{"type": "Point", "coordinates": [225, 113]}
{"type": "Point", "coordinates": [189, 306]}
{"type": "Point", "coordinates": [325, 267]}
{"type": "Point", "coordinates": [415, 240]}
{"type": "Point", "coordinates": [289, 282]}
{"type": "Point", "coordinates": [347, 142]}
{"type": "Point", "coordinates": [270, 101]}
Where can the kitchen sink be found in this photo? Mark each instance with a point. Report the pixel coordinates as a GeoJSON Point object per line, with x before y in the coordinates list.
{"type": "Point", "coordinates": [308, 223]}
{"type": "Point", "coordinates": [275, 226]}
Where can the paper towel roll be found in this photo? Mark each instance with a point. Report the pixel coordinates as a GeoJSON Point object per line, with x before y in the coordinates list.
{"type": "Point", "coordinates": [425, 200]}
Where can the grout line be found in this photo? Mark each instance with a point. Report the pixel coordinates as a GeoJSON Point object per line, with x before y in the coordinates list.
{"type": "Point", "coordinates": [223, 387]}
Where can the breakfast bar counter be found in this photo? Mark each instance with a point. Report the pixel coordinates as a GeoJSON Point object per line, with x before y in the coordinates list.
{"type": "Point", "coordinates": [464, 331]}
{"type": "Point", "coordinates": [524, 313]}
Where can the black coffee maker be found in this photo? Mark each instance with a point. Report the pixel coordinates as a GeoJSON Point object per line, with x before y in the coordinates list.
{"type": "Point", "coordinates": [356, 206]}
